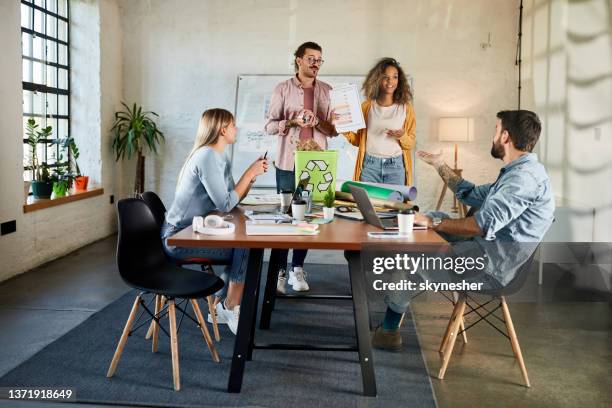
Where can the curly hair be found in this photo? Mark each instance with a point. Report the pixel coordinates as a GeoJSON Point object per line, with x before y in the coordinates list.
{"type": "Point", "coordinates": [371, 85]}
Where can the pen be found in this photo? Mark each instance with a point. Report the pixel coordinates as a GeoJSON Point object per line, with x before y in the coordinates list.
{"type": "Point", "coordinates": [265, 155]}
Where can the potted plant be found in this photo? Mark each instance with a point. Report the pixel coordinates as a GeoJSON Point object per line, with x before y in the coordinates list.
{"type": "Point", "coordinates": [62, 180]}
{"type": "Point", "coordinates": [42, 184]}
{"type": "Point", "coordinates": [80, 181]}
{"type": "Point", "coordinates": [26, 189]}
{"type": "Point", "coordinates": [134, 130]}
{"type": "Point", "coordinates": [328, 204]}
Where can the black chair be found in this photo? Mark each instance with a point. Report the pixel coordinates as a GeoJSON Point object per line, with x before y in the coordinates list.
{"type": "Point", "coordinates": [454, 327]}
{"type": "Point", "coordinates": [143, 265]}
{"type": "Point", "coordinates": [157, 207]}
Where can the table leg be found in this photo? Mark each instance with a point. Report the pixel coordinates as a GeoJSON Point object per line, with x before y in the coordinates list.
{"type": "Point", "coordinates": [270, 291]}
{"type": "Point", "coordinates": [360, 309]}
{"type": "Point", "coordinates": [247, 310]}
{"type": "Point", "coordinates": [254, 318]}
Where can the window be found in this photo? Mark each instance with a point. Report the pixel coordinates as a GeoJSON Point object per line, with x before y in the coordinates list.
{"type": "Point", "coordinates": [46, 77]}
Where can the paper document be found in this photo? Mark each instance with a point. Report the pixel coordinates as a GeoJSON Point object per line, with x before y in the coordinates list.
{"type": "Point", "coordinates": [261, 199]}
{"type": "Point", "coordinates": [261, 228]}
{"type": "Point", "coordinates": [268, 217]}
{"type": "Point", "coordinates": [346, 103]}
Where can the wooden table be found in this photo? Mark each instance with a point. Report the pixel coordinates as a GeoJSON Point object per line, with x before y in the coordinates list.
{"type": "Point", "coordinates": [346, 235]}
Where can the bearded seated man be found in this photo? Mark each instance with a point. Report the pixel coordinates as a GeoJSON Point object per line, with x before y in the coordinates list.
{"type": "Point", "coordinates": [514, 213]}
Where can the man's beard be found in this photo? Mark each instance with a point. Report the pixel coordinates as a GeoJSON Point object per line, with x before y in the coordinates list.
{"type": "Point", "coordinates": [497, 150]}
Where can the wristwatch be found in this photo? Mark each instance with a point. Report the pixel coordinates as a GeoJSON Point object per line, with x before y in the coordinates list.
{"type": "Point", "coordinates": [435, 221]}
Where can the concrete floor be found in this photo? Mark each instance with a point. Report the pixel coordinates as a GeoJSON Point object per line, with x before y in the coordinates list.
{"type": "Point", "coordinates": [567, 344]}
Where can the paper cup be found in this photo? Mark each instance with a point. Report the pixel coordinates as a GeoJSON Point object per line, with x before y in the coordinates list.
{"type": "Point", "coordinates": [405, 223]}
{"type": "Point", "coordinates": [298, 210]}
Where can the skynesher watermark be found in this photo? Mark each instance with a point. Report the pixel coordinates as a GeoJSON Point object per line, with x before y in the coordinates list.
{"type": "Point", "coordinates": [406, 263]}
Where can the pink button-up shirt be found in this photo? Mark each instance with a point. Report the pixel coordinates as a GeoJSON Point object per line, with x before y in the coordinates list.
{"type": "Point", "coordinates": [287, 101]}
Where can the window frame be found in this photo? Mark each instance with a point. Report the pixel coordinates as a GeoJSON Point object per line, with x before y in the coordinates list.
{"type": "Point", "coordinates": [49, 116]}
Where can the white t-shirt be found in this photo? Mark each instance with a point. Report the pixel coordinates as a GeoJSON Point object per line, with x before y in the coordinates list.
{"type": "Point", "coordinates": [381, 119]}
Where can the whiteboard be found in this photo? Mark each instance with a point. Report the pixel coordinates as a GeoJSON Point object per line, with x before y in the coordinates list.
{"type": "Point", "coordinates": [253, 93]}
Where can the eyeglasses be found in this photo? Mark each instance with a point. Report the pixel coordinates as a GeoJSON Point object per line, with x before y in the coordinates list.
{"type": "Point", "coordinates": [313, 60]}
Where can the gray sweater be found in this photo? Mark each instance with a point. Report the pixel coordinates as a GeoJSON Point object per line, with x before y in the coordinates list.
{"type": "Point", "coordinates": [206, 185]}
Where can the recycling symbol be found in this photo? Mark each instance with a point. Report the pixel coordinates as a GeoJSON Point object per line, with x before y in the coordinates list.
{"type": "Point", "coordinates": [319, 165]}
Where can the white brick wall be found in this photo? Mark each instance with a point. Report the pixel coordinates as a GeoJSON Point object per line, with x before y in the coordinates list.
{"type": "Point", "coordinates": [190, 62]}
{"type": "Point", "coordinates": [46, 234]}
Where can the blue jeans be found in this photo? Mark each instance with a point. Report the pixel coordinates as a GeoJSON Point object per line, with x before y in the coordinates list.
{"type": "Point", "coordinates": [383, 170]}
{"type": "Point", "coordinates": [285, 180]}
{"type": "Point", "coordinates": [235, 272]}
{"type": "Point", "coordinates": [398, 301]}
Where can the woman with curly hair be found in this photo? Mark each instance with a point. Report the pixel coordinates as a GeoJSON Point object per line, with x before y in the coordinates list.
{"type": "Point", "coordinates": [386, 144]}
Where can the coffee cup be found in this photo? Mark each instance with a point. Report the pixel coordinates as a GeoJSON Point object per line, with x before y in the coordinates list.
{"type": "Point", "coordinates": [285, 198]}
{"type": "Point", "coordinates": [298, 209]}
{"type": "Point", "coordinates": [405, 221]}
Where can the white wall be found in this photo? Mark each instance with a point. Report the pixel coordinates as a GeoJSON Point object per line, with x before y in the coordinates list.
{"type": "Point", "coordinates": [568, 81]}
{"type": "Point", "coordinates": [46, 234]}
{"type": "Point", "coordinates": [181, 57]}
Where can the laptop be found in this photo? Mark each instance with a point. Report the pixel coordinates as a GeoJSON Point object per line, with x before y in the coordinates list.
{"type": "Point", "coordinates": [367, 210]}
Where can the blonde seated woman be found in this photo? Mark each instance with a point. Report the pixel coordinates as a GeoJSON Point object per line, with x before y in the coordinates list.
{"type": "Point", "coordinates": [386, 144]}
{"type": "Point", "coordinates": [205, 184]}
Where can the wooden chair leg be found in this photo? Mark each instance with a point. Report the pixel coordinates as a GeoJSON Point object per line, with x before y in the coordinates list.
{"type": "Point", "coordinates": [162, 303]}
{"type": "Point", "coordinates": [456, 323]}
{"type": "Point", "coordinates": [514, 340]}
{"type": "Point", "coordinates": [205, 333]}
{"type": "Point", "coordinates": [448, 329]}
{"type": "Point", "coordinates": [463, 332]}
{"type": "Point", "coordinates": [211, 309]}
{"type": "Point", "coordinates": [123, 339]}
{"type": "Point", "coordinates": [150, 330]}
{"type": "Point", "coordinates": [154, 325]}
{"type": "Point", "coordinates": [174, 345]}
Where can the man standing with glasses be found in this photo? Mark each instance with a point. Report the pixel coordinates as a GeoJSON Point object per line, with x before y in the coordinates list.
{"type": "Point", "coordinates": [299, 111]}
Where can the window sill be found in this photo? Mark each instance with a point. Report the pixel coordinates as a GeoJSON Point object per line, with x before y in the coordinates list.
{"type": "Point", "coordinates": [38, 204]}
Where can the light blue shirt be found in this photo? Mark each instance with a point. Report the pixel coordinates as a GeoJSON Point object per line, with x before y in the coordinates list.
{"type": "Point", "coordinates": [206, 185]}
{"type": "Point", "coordinates": [518, 207]}
{"type": "Point", "coordinates": [514, 213]}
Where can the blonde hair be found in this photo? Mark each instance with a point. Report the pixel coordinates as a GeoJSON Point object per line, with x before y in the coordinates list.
{"type": "Point", "coordinates": [209, 130]}
{"type": "Point", "coordinates": [371, 85]}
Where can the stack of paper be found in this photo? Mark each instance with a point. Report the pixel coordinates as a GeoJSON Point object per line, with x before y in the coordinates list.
{"type": "Point", "coordinates": [261, 199]}
{"type": "Point", "coordinates": [261, 228]}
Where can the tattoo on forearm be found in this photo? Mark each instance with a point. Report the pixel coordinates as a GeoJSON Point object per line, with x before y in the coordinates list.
{"type": "Point", "coordinates": [449, 176]}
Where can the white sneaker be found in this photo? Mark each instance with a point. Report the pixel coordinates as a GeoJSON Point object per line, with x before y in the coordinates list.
{"type": "Point", "coordinates": [228, 316]}
{"type": "Point", "coordinates": [220, 320]}
{"type": "Point", "coordinates": [282, 281]}
{"type": "Point", "coordinates": [297, 279]}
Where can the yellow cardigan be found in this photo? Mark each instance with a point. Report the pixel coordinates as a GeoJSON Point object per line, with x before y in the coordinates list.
{"type": "Point", "coordinates": [407, 141]}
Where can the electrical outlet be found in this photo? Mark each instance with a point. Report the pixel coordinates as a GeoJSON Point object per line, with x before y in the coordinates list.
{"type": "Point", "coordinates": [112, 199]}
{"type": "Point", "coordinates": [8, 227]}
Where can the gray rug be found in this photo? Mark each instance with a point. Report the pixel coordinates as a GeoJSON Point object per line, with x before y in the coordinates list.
{"type": "Point", "coordinates": [80, 359]}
